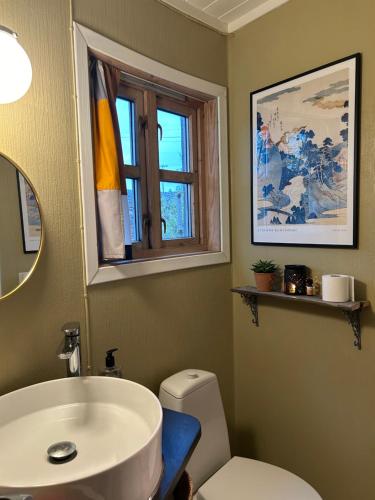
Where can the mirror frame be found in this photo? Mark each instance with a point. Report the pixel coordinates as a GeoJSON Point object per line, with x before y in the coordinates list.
{"type": "Point", "coordinates": [42, 231]}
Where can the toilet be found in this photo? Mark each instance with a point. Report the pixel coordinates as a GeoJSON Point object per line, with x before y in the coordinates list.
{"type": "Point", "coordinates": [217, 476]}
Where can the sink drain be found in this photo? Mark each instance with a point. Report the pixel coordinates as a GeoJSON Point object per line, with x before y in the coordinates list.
{"type": "Point", "coordinates": [62, 452]}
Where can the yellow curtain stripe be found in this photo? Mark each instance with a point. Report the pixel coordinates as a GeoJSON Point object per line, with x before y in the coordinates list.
{"type": "Point", "coordinates": [107, 174]}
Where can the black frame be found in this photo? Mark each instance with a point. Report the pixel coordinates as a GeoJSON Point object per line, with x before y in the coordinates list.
{"type": "Point", "coordinates": [357, 94]}
{"type": "Point", "coordinates": [21, 214]}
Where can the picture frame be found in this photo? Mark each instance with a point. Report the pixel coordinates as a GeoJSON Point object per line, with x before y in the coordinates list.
{"type": "Point", "coordinates": [30, 216]}
{"type": "Point", "coordinates": [304, 158]}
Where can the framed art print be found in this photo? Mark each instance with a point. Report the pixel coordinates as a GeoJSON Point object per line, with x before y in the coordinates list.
{"type": "Point", "coordinates": [304, 148]}
{"type": "Point", "coordinates": [30, 216]}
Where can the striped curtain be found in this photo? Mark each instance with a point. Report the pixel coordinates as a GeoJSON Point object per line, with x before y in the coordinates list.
{"type": "Point", "coordinates": [112, 202]}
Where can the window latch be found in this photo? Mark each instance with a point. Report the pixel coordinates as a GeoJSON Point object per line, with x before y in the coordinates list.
{"type": "Point", "coordinates": [146, 222]}
{"type": "Point", "coordinates": [143, 122]}
{"type": "Point", "coordinates": [164, 224]}
{"type": "Point", "coordinates": [160, 128]}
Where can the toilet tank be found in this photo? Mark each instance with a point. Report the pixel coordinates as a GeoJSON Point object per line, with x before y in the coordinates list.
{"type": "Point", "coordinates": [197, 393]}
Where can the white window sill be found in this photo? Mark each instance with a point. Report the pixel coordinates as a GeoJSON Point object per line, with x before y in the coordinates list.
{"type": "Point", "coordinates": [107, 273]}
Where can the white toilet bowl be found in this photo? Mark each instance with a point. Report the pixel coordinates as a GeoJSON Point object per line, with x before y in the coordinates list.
{"type": "Point", "coordinates": [217, 476]}
{"type": "Point", "coordinates": [246, 479]}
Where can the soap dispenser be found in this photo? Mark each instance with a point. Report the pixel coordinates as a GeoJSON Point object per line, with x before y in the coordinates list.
{"type": "Point", "coordinates": [111, 370]}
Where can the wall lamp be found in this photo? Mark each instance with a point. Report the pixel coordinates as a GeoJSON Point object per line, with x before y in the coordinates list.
{"type": "Point", "coordinates": [15, 67]}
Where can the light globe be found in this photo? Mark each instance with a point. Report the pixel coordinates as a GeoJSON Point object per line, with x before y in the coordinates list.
{"type": "Point", "coordinates": [15, 68]}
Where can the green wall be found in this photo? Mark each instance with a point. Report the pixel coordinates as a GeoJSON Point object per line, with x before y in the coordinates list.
{"type": "Point", "coordinates": [37, 132]}
{"type": "Point", "coordinates": [304, 396]}
{"type": "Point", "coordinates": [161, 323]}
{"type": "Point", "coordinates": [170, 321]}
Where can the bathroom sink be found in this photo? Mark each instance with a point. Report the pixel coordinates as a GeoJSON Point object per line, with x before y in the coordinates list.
{"type": "Point", "coordinates": [113, 430]}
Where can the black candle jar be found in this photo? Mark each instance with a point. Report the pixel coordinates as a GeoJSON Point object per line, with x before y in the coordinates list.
{"type": "Point", "coordinates": [295, 280]}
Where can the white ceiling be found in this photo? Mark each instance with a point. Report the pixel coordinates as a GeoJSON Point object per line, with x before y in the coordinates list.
{"type": "Point", "coordinates": [224, 15]}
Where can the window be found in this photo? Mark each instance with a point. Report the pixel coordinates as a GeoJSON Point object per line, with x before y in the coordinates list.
{"type": "Point", "coordinates": [163, 148]}
{"type": "Point", "coordinates": [174, 141]}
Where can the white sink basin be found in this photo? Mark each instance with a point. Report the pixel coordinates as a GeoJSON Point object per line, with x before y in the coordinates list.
{"type": "Point", "coordinates": [114, 423]}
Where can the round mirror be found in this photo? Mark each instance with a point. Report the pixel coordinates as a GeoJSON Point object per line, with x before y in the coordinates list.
{"type": "Point", "coordinates": [20, 227]}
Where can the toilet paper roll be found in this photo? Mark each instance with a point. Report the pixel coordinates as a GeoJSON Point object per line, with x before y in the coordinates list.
{"type": "Point", "coordinates": [337, 288]}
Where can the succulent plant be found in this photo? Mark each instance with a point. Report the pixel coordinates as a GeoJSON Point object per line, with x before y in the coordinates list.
{"type": "Point", "coordinates": [264, 266]}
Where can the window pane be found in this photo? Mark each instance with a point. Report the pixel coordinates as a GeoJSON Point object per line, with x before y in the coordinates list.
{"type": "Point", "coordinates": [132, 187]}
{"type": "Point", "coordinates": [125, 113]}
{"type": "Point", "coordinates": [175, 210]}
{"type": "Point", "coordinates": [173, 141]}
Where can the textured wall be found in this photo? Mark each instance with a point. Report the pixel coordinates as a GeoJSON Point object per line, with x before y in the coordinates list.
{"type": "Point", "coordinates": [160, 323]}
{"type": "Point", "coordinates": [304, 396]}
{"type": "Point", "coordinates": [37, 133]}
{"type": "Point", "coordinates": [158, 32]}
{"type": "Point", "coordinates": [170, 321]}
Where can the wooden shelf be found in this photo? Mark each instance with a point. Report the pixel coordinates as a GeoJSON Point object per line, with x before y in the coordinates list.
{"type": "Point", "coordinates": [351, 309]}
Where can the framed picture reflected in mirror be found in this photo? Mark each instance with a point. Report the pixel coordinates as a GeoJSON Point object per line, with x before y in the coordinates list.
{"type": "Point", "coordinates": [30, 216]}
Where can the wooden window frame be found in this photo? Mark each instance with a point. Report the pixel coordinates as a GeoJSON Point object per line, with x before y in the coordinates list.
{"type": "Point", "coordinates": [211, 123]}
{"type": "Point", "coordinates": [149, 175]}
{"type": "Point", "coordinates": [138, 171]}
{"type": "Point", "coordinates": [194, 177]}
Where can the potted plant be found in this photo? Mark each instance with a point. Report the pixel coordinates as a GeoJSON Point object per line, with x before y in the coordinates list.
{"type": "Point", "coordinates": [264, 272]}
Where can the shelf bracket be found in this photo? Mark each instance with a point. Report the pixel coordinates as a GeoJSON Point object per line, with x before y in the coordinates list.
{"type": "Point", "coordinates": [352, 309]}
{"type": "Point", "coordinates": [252, 302]}
{"type": "Point", "coordinates": [353, 318]}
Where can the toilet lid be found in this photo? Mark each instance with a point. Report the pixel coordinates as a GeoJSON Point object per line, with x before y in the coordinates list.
{"type": "Point", "coordinates": [246, 479]}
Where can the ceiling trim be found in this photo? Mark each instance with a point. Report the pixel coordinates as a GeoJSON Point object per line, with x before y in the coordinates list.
{"type": "Point", "coordinates": [195, 13]}
{"type": "Point", "coordinates": [219, 25]}
{"type": "Point", "coordinates": [253, 14]}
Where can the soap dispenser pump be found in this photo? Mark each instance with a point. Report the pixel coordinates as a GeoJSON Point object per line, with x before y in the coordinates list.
{"type": "Point", "coordinates": [111, 370]}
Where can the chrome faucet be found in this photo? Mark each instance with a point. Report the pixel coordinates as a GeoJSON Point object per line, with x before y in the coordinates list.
{"type": "Point", "coordinates": [71, 350]}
